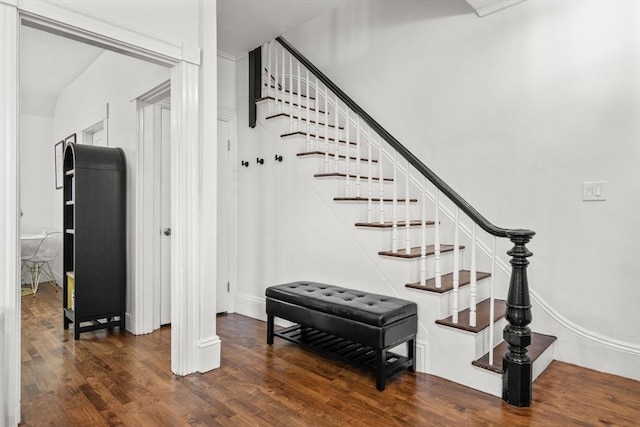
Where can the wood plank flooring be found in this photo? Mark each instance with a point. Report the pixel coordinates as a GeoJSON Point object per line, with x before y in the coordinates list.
{"type": "Point", "coordinates": [108, 378]}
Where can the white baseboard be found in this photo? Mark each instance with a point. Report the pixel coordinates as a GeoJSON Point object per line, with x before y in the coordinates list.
{"type": "Point", "coordinates": [208, 354]}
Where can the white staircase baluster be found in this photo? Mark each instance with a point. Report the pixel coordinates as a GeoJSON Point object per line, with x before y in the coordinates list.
{"type": "Point", "coordinates": [298, 77]}
{"type": "Point", "coordinates": [291, 121]}
{"type": "Point", "coordinates": [436, 250]}
{"type": "Point", "coordinates": [394, 232]}
{"type": "Point", "coordinates": [317, 105]}
{"type": "Point", "coordinates": [308, 110]}
{"type": "Point", "coordinates": [326, 130]}
{"type": "Point", "coordinates": [268, 78]}
{"type": "Point", "coordinates": [380, 183]}
{"type": "Point", "coordinates": [336, 157]}
{"type": "Point", "coordinates": [456, 266]}
{"type": "Point", "coordinates": [473, 286]}
{"type": "Point", "coordinates": [358, 130]}
{"type": "Point", "coordinates": [407, 214]}
{"type": "Point", "coordinates": [370, 180]}
{"type": "Point", "coordinates": [276, 82]}
{"type": "Point", "coordinates": [347, 189]}
{"type": "Point", "coordinates": [492, 300]}
{"type": "Point", "coordinates": [284, 82]}
{"type": "Point", "coordinates": [423, 239]}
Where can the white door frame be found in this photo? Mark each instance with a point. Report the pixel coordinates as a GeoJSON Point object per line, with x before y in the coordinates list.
{"type": "Point", "coordinates": [146, 317]}
{"type": "Point", "coordinates": [231, 245]}
{"type": "Point", "coordinates": [193, 346]}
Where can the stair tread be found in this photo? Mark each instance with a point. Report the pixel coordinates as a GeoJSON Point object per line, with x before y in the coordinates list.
{"type": "Point", "coordinates": [447, 281]}
{"type": "Point", "coordinates": [482, 316]}
{"type": "Point", "coordinates": [366, 199]}
{"type": "Point", "coordinates": [389, 224]}
{"type": "Point", "coordinates": [302, 95]}
{"type": "Point", "coordinates": [416, 252]}
{"type": "Point", "coordinates": [340, 156]}
{"type": "Point", "coordinates": [344, 175]}
{"type": "Point", "coordinates": [313, 135]}
{"type": "Point", "coordinates": [539, 343]}
{"type": "Point", "coordinates": [303, 107]}
{"type": "Point", "coordinates": [301, 119]}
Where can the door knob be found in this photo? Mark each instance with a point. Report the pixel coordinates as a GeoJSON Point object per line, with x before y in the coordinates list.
{"type": "Point", "coordinates": [167, 232]}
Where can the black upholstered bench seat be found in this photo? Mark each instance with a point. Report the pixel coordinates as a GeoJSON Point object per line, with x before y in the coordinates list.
{"type": "Point", "coordinates": [376, 322]}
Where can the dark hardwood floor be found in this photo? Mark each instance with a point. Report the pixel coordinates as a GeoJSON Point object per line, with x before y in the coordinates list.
{"type": "Point", "coordinates": [109, 378]}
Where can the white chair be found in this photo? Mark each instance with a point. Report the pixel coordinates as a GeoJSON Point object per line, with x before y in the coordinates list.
{"type": "Point", "coordinates": [36, 262]}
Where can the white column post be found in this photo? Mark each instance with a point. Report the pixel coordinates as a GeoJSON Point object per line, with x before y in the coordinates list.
{"type": "Point", "coordinates": [9, 249]}
{"type": "Point", "coordinates": [193, 346]}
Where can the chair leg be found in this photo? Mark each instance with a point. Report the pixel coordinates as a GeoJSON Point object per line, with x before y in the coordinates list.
{"type": "Point", "coordinates": [46, 269]}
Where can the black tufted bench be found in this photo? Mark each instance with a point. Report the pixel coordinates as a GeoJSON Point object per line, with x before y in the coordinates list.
{"type": "Point", "coordinates": [352, 325]}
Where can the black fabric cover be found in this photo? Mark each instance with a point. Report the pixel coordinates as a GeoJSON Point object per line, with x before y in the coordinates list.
{"type": "Point", "coordinates": [360, 306]}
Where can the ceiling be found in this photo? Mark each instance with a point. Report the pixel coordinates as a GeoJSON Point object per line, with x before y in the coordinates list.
{"type": "Point", "coordinates": [243, 26]}
{"type": "Point", "coordinates": [49, 63]}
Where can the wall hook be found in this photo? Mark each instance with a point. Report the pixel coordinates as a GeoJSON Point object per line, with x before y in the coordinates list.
{"type": "Point", "coordinates": [259, 161]}
{"type": "Point", "coordinates": [278, 158]}
{"type": "Point", "coordinates": [245, 164]}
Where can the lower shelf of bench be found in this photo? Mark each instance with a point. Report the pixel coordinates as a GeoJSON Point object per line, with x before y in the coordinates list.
{"type": "Point", "coordinates": [342, 349]}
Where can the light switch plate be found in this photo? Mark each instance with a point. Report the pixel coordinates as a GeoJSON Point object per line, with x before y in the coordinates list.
{"type": "Point", "coordinates": [593, 191]}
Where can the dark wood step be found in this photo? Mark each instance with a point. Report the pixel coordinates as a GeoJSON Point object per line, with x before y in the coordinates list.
{"type": "Point", "coordinates": [539, 343]}
{"type": "Point", "coordinates": [294, 93]}
{"type": "Point", "coordinates": [389, 224]}
{"type": "Point", "coordinates": [373, 199]}
{"type": "Point", "coordinates": [344, 175]}
{"type": "Point", "coordinates": [271, 98]}
{"type": "Point", "coordinates": [416, 252]}
{"type": "Point", "coordinates": [447, 282]}
{"type": "Point", "coordinates": [313, 135]}
{"type": "Point", "coordinates": [340, 156]}
{"type": "Point", "coordinates": [482, 316]}
{"type": "Point", "coordinates": [275, 116]}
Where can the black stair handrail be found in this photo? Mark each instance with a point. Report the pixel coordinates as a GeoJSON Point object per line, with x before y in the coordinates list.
{"type": "Point", "coordinates": [404, 152]}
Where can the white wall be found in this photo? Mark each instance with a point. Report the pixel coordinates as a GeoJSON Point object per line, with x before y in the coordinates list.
{"type": "Point", "coordinates": [226, 83]}
{"type": "Point", "coordinates": [117, 80]}
{"type": "Point", "coordinates": [514, 111]}
{"type": "Point", "coordinates": [37, 175]}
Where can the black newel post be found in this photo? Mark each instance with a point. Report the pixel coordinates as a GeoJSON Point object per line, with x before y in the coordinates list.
{"type": "Point", "coordinates": [255, 62]}
{"type": "Point", "coordinates": [517, 377]}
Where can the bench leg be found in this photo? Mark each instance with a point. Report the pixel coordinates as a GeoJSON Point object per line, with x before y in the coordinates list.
{"type": "Point", "coordinates": [411, 351]}
{"type": "Point", "coordinates": [381, 369]}
{"type": "Point", "coordinates": [269, 329]}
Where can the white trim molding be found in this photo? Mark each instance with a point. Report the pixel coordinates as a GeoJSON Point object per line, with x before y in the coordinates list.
{"type": "Point", "coordinates": [9, 194]}
{"type": "Point", "coordinates": [486, 7]}
{"type": "Point", "coordinates": [87, 29]}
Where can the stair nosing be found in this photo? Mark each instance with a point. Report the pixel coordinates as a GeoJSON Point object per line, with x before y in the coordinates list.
{"type": "Point", "coordinates": [447, 282]}
{"type": "Point", "coordinates": [402, 253]}
{"type": "Point", "coordinates": [481, 323]}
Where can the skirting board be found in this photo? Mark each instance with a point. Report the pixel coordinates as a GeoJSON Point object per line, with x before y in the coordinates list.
{"type": "Point", "coordinates": [208, 353]}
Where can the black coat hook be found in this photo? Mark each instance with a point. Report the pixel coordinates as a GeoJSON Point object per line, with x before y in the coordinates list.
{"type": "Point", "coordinates": [245, 163]}
{"type": "Point", "coordinates": [278, 158]}
{"type": "Point", "coordinates": [259, 161]}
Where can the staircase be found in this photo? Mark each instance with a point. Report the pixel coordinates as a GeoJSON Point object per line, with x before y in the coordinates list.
{"type": "Point", "coordinates": [466, 293]}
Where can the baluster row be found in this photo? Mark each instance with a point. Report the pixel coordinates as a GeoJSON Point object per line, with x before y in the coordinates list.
{"type": "Point", "coordinates": [281, 83]}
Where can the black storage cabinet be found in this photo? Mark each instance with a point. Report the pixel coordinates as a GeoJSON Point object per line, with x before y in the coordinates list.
{"type": "Point", "coordinates": [94, 238]}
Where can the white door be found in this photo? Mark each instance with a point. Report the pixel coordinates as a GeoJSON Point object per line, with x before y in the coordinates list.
{"type": "Point", "coordinates": [165, 217]}
{"type": "Point", "coordinates": [223, 226]}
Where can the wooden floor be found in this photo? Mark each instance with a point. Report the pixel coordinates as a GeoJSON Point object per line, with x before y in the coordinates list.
{"type": "Point", "coordinates": [112, 378]}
